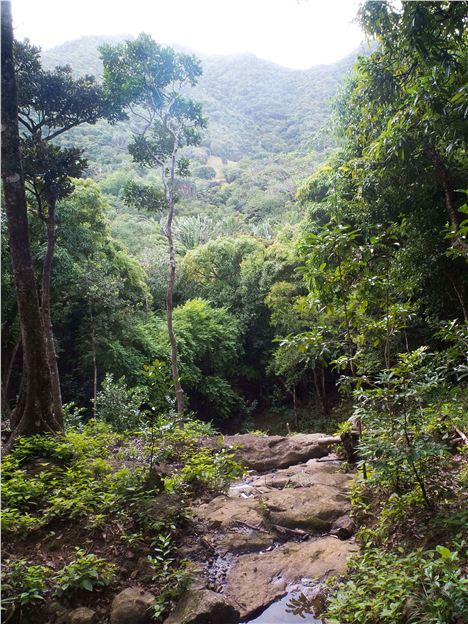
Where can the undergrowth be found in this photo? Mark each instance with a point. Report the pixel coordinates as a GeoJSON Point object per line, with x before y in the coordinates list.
{"type": "Point", "coordinates": [133, 487]}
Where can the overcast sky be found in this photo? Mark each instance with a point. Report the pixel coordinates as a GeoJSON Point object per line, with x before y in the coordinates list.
{"type": "Point", "coordinates": [293, 33]}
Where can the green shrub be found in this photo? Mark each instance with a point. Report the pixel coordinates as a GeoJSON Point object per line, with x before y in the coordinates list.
{"type": "Point", "coordinates": [86, 571]}
{"type": "Point", "coordinates": [424, 587]}
{"type": "Point", "coordinates": [207, 468]}
{"type": "Point", "coordinates": [22, 583]}
{"type": "Point", "coordinates": [120, 406]}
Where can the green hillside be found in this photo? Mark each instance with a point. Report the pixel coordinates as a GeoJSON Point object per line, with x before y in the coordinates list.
{"type": "Point", "coordinates": [267, 127]}
{"type": "Point", "coordinates": [253, 106]}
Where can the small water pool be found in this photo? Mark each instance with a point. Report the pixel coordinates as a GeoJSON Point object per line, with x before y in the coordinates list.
{"type": "Point", "coordinates": [281, 612]}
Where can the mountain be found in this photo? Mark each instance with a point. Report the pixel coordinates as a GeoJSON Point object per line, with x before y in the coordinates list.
{"type": "Point", "coordinates": [253, 106]}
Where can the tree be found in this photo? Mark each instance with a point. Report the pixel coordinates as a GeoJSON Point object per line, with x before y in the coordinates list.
{"type": "Point", "coordinates": [152, 80]}
{"type": "Point", "coordinates": [50, 103]}
{"type": "Point", "coordinates": [210, 346]}
{"type": "Point", "coordinates": [33, 412]}
{"type": "Point", "coordinates": [406, 110]}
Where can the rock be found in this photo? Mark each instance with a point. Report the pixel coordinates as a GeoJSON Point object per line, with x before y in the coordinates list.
{"type": "Point", "coordinates": [165, 505]}
{"type": "Point", "coordinates": [311, 473]}
{"type": "Point", "coordinates": [313, 508]}
{"type": "Point", "coordinates": [343, 527]}
{"type": "Point", "coordinates": [224, 512]}
{"type": "Point", "coordinates": [247, 541]}
{"type": "Point", "coordinates": [144, 569]}
{"type": "Point", "coordinates": [57, 613]}
{"type": "Point", "coordinates": [256, 580]}
{"type": "Point", "coordinates": [203, 607]}
{"type": "Point", "coordinates": [131, 607]}
{"type": "Point", "coordinates": [264, 453]}
{"type": "Point", "coordinates": [82, 615]}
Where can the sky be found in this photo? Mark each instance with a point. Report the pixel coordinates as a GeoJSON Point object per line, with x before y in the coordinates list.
{"type": "Point", "coordinates": [292, 33]}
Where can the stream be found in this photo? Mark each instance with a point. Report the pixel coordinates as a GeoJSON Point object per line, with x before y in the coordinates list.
{"type": "Point", "coordinates": [269, 543]}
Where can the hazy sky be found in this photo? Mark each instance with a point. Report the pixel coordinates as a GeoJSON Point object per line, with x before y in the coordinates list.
{"type": "Point", "coordinates": [294, 33]}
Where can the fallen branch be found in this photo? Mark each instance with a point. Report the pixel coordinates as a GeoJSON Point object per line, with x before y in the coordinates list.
{"type": "Point", "coordinates": [286, 531]}
{"type": "Point", "coordinates": [462, 435]}
{"type": "Point", "coordinates": [329, 440]}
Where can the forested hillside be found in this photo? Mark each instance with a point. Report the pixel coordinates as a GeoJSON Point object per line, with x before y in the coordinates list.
{"type": "Point", "coordinates": [214, 265]}
{"type": "Point", "coordinates": [267, 124]}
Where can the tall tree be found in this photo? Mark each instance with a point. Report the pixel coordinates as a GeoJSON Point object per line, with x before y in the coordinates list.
{"type": "Point", "coordinates": [33, 412]}
{"type": "Point", "coordinates": [50, 103]}
{"type": "Point", "coordinates": [153, 79]}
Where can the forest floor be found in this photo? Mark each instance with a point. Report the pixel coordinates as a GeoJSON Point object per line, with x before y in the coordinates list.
{"type": "Point", "coordinates": [84, 524]}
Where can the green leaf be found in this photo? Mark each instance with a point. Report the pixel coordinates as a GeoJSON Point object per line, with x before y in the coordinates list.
{"type": "Point", "coordinates": [445, 553]}
{"type": "Point", "coordinates": [86, 584]}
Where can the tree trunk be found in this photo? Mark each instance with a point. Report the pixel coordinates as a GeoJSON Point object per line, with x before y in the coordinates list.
{"type": "Point", "coordinates": [33, 412]}
{"type": "Point", "coordinates": [170, 290]}
{"type": "Point", "coordinates": [95, 375]}
{"type": "Point", "coordinates": [46, 315]}
{"type": "Point", "coordinates": [6, 379]}
{"type": "Point", "coordinates": [455, 217]}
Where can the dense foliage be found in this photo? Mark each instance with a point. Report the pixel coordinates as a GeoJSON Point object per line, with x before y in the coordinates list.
{"type": "Point", "coordinates": [344, 302]}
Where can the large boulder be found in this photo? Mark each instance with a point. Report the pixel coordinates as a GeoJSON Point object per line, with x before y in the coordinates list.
{"type": "Point", "coordinates": [262, 453]}
{"type": "Point", "coordinates": [131, 606]}
{"type": "Point", "coordinates": [203, 607]}
{"type": "Point", "coordinates": [256, 580]}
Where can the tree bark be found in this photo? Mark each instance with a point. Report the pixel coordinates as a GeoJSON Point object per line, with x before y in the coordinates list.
{"type": "Point", "coordinates": [170, 289]}
{"type": "Point", "coordinates": [46, 314]}
{"type": "Point", "coordinates": [33, 412]}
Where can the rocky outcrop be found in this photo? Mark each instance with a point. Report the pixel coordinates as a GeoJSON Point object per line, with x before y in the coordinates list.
{"type": "Point", "coordinates": [132, 606]}
{"type": "Point", "coordinates": [257, 579]}
{"type": "Point", "coordinates": [310, 497]}
{"type": "Point", "coordinates": [262, 453]}
{"type": "Point", "coordinates": [276, 532]}
{"type": "Point", "coordinates": [203, 607]}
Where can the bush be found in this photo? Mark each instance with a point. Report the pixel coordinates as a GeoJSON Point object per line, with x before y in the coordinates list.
{"type": "Point", "coordinates": [22, 583]}
{"type": "Point", "coordinates": [119, 406]}
{"type": "Point", "coordinates": [86, 571]}
{"type": "Point", "coordinates": [424, 587]}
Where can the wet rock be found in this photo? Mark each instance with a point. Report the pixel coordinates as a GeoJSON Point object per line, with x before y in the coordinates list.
{"type": "Point", "coordinates": [131, 607]}
{"type": "Point", "coordinates": [264, 453]}
{"type": "Point", "coordinates": [82, 615]}
{"type": "Point", "coordinates": [313, 508]}
{"type": "Point", "coordinates": [343, 527]}
{"type": "Point", "coordinates": [256, 580]}
{"type": "Point", "coordinates": [203, 607]}
{"type": "Point", "coordinates": [248, 541]}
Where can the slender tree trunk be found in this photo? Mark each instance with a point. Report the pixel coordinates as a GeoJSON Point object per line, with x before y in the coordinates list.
{"type": "Point", "coordinates": [95, 372]}
{"type": "Point", "coordinates": [6, 380]}
{"type": "Point", "coordinates": [33, 412]}
{"type": "Point", "coordinates": [318, 392]}
{"type": "Point", "coordinates": [170, 288]}
{"type": "Point", "coordinates": [46, 315]}
{"type": "Point", "coordinates": [455, 217]}
{"type": "Point", "coordinates": [460, 292]}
